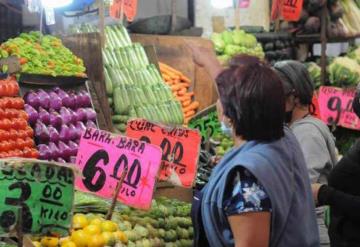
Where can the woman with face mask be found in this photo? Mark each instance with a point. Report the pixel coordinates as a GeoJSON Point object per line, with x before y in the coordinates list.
{"type": "Point", "coordinates": [315, 138]}
{"type": "Point", "coordinates": [259, 194]}
{"type": "Point", "coordinates": [343, 195]}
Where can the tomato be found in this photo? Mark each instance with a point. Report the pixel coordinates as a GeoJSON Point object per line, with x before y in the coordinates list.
{"type": "Point", "coordinates": [4, 146]}
{"type": "Point", "coordinates": [18, 153]}
{"type": "Point", "coordinates": [34, 153]}
{"type": "Point", "coordinates": [13, 134]}
{"type": "Point", "coordinates": [6, 124]}
{"type": "Point", "coordinates": [11, 153]}
{"type": "Point", "coordinates": [2, 135]}
{"type": "Point", "coordinates": [20, 143]}
{"type": "Point", "coordinates": [29, 142]}
{"type": "Point", "coordinates": [18, 103]}
{"type": "Point", "coordinates": [22, 123]}
{"type": "Point", "coordinates": [29, 132]}
{"type": "Point", "coordinates": [4, 155]}
{"type": "Point", "coordinates": [2, 113]}
{"type": "Point", "coordinates": [12, 144]}
{"type": "Point", "coordinates": [27, 152]}
{"type": "Point", "coordinates": [22, 114]}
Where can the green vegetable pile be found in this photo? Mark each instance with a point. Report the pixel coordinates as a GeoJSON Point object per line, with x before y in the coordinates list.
{"type": "Point", "coordinates": [135, 87]}
{"type": "Point", "coordinates": [44, 55]}
{"type": "Point", "coordinates": [167, 224]}
{"type": "Point", "coordinates": [231, 43]}
{"type": "Point", "coordinates": [315, 73]}
{"type": "Point", "coordinates": [344, 71]}
{"type": "Point", "coordinates": [224, 142]}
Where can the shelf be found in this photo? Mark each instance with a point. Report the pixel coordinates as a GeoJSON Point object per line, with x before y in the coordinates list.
{"type": "Point", "coordinates": [315, 38]}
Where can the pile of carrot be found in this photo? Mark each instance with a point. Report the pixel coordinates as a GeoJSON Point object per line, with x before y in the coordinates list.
{"type": "Point", "coordinates": [180, 85]}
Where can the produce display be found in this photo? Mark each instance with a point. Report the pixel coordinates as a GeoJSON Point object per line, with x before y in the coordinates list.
{"type": "Point", "coordinates": [231, 43]}
{"type": "Point", "coordinates": [58, 118]}
{"type": "Point", "coordinates": [180, 84]}
{"type": "Point", "coordinates": [315, 73]}
{"type": "Point", "coordinates": [16, 136]}
{"type": "Point", "coordinates": [277, 46]}
{"type": "Point", "coordinates": [135, 87]}
{"type": "Point", "coordinates": [344, 71]}
{"type": "Point", "coordinates": [43, 55]}
{"type": "Point", "coordinates": [167, 224]}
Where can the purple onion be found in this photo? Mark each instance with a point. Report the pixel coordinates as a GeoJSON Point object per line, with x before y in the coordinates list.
{"type": "Point", "coordinates": [60, 160]}
{"type": "Point", "coordinates": [90, 114]}
{"type": "Point", "coordinates": [55, 152]}
{"type": "Point", "coordinates": [73, 159]}
{"type": "Point", "coordinates": [73, 148]}
{"type": "Point", "coordinates": [55, 119]}
{"type": "Point", "coordinates": [32, 99]}
{"type": "Point", "coordinates": [44, 152]}
{"type": "Point", "coordinates": [72, 101]}
{"type": "Point", "coordinates": [33, 114]}
{"type": "Point", "coordinates": [73, 134]}
{"type": "Point", "coordinates": [81, 115]}
{"type": "Point", "coordinates": [91, 124]}
{"type": "Point", "coordinates": [55, 102]}
{"type": "Point", "coordinates": [64, 133]}
{"type": "Point", "coordinates": [80, 128]}
{"type": "Point", "coordinates": [65, 115]}
{"type": "Point", "coordinates": [44, 98]}
{"type": "Point", "coordinates": [86, 99]}
{"type": "Point", "coordinates": [41, 132]}
{"type": "Point", "coordinates": [65, 151]}
{"type": "Point", "coordinates": [44, 116]}
{"type": "Point", "coordinates": [54, 134]}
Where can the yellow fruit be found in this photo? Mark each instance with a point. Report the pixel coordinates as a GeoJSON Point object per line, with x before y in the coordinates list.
{"type": "Point", "coordinates": [36, 243]}
{"type": "Point", "coordinates": [68, 244]}
{"type": "Point", "coordinates": [96, 241]}
{"type": "Point", "coordinates": [80, 221]}
{"type": "Point", "coordinates": [80, 238]}
{"type": "Point", "coordinates": [109, 226]}
{"type": "Point", "coordinates": [92, 229]}
{"type": "Point", "coordinates": [96, 222]}
{"type": "Point", "coordinates": [49, 242]}
{"type": "Point", "coordinates": [109, 237]}
{"type": "Point", "coordinates": [121, 236]}
{"type": "Point", "coordinates": [64, 240]}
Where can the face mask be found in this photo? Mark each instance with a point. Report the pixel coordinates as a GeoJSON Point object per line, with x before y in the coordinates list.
{"type": "Point", "coordinates": [288, 116]}
{"type": "Point", "coordinates": [226, 130]}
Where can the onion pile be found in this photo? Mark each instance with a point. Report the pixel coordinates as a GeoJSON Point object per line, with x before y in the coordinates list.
{"type": "Point", "coordinates": [58, 119]}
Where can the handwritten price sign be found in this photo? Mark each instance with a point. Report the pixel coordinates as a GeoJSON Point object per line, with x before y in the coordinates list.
{"type": "Point", "coordinates": [180, 149]}
{"type": "Point", "coordinates": [102, 158]}
{"type": "Point", "coordinates": [208, 125]}
{"type": "Point", "coordinates": [291, 9]}
{"type": "Point", "coordinates": [128, 7]}
{"type": "Point", "coordinates": [43, 190]}
{"type": "Point", "coordinates": [336, 107]}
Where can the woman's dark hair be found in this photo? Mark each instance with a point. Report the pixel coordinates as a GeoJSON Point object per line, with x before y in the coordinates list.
{"type": "Point", "coordinates": [253, 99]}
{"type": "Point", "coordinates": [296, 80]}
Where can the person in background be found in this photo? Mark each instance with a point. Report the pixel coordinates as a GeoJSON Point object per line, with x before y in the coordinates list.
{"type": "Point", "coordinates": [259, 195]}
{"type": "Point", "coordinates": [343, 195]}
{"type": "Point", "coordinates": [315, 138]}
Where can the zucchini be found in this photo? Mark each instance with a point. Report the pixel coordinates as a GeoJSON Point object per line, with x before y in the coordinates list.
{"type": "Point", "coordinates": [117, 119]}
{"type": "Point", "coordinates": [121, 127]}
{"type": "Point", "coordinates": [111, 101]}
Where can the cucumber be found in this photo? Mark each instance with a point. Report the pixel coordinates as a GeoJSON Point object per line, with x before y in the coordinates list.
{"type": "Point", "coordinates": [108, 83]}
{"type": "Point", "coordinates": [117, 119]}
{"type": "Point", "coordinates": [111, 101]}
{"type": "Point", "coordinates": [121, 127]}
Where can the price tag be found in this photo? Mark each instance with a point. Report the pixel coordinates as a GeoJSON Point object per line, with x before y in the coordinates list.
{"type": "Point", "coordinates": [336, 107]}
{"type": "Point", "coordinates": [180, 149]}
{"type": "Point", "coordinates": [103, 157]}
{"type": "Point", "coordinates": [128, 7]}
{"type": "Point", "coordinates": [43, 190]}
{"type": "Point", "coordinates": [208, 125]}
{"type": "Point", "coordinates": [291, 9]}
{"type": "Point", "coordinates": [243, 4]}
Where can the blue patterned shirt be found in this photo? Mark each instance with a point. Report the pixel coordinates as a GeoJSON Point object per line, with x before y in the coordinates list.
{"type": "Point", "coordinates": [245, 194]}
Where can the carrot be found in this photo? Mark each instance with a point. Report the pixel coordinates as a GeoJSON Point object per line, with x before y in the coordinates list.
{"type": "Point", "coordinates": [182, 91]}
{"type": "Point", "coordinates": [175, 87]}
{"type": "Point", "coordinates": [192, 107]}
{"type": "Point", "coordinates": [185, 79]}
{"type": "Point", "coordinates": [189, 114]}
{"type": "Point", "coordinates": [183, 98]}
{"type": "Point", "coordinates": [186, 103]}
{"type": "Point", "coordinates": [190, 94]}
{"type": "Point", "coordinates": [166, 77]}
{"type": "Point", "coordinates": [167, 67]}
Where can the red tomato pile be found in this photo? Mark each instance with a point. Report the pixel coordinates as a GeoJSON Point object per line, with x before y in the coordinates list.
{"type": "Point", "coordinates": [9, 87]}
{"type": "Point", "coordinates": [16, 136]}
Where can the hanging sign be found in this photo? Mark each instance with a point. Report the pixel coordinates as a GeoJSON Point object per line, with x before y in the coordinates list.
{"type": "Point", "coordinates": [103, 157]}
{"type": "Point", "coordinates": [127, 7]}
{"type": "Point", "coordinates": [243, 4]}
{"type": "Point", "coordinates": [43, 190]}
{"type": "Point", "coordinates": [291, 9]}
{"type": "Point", "coordinates": [180, 149]}
{"type": "Point", "coordinates": [336, 107]}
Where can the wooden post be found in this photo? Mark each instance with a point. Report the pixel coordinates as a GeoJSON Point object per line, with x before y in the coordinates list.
{"type": "Point", "coordinates": [173, 16]}
{"type": "Point", "coordinates": [116, 194]}
{"type": "Point", "coordinates": [323, 38]}
{"type": "Point", "coordinates": [237, 16]}
{"type": "Point", "coordinates": [102, 22]}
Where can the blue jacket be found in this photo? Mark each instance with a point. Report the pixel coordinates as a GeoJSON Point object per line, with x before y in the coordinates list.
{"type": "Point", "coordinates": [280, 168]}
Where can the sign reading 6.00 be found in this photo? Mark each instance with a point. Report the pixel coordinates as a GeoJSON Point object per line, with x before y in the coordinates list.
{"type": "Point", "coordinates": [42, 190]}
{"type": "Point", "coordinates": [102, 159]}
{"type": "Point", "coordinates": [180, 149]}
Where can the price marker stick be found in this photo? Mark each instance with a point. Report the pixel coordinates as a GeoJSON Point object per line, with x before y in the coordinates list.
{"type": "Point", "coordinates": [19, 226]}
{"type": "Point", "coordinates": [116, 194]}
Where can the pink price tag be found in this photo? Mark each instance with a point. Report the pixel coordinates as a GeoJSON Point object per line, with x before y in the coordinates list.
{"type": "Point", "coordinates": [102, 157]}
{"type": "Point", "coordinates": [243, 4]}
{"type": "Point", "coordinates": [336, 107]}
